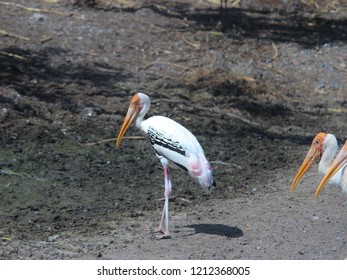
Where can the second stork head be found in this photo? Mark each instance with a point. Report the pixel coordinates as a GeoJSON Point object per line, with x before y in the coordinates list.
{"type": "Point", "coordinates": [323, 148]}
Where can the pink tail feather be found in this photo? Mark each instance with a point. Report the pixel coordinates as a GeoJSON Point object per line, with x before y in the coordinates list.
{"type": "Point", "coordinates": [200, 169]}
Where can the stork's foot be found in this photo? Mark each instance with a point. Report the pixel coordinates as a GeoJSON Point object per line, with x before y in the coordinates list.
{"type": "Point", "coordinates": [161, 234]}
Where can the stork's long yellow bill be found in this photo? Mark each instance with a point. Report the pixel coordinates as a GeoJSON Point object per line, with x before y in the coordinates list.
{"type": "Point", "coordinates": [339, 162]}
{"type": "Point", "coordinates": [308, 161]}
{"type": "Point", "coordinates": [131, 115]}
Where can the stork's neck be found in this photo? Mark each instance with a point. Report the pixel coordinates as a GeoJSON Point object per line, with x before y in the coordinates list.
{"type": "Point", "coordinates": [145, 104]}
{"type": "Point", "coordinates": [329, 151]}
{"type": "Point", "coordinates": [139, 120]}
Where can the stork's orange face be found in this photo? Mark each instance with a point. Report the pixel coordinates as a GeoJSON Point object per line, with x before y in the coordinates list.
{"type": "Point", "coordinates": [314, 154]}
{"type": "Point", "coordinates": [133, 111]}
{"type": "Point", "coordinates": [338, 163]}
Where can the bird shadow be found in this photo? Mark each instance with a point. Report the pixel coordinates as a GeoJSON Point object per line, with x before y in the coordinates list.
{"type": "Point", "coordinates": [216, 229]}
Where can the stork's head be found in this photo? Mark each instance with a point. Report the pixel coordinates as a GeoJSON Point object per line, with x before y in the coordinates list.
{"type": "Point", "coordinates": [338, 163]}
{"type": "Point", "coordinates": [138, 108]}
{"type": "Point", "coordinates": [314, 154]}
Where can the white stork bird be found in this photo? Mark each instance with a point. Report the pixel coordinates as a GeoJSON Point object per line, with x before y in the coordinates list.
{"type": "Point", "coordinates": [337, 169]}
{"type": "Point", "coordinates": [324, 147]}
{"type": "Point", "coordinates": [174, 145]}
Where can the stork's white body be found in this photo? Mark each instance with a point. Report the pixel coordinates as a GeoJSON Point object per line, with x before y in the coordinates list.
{"type": "Point", "coordinates": [177, 144]}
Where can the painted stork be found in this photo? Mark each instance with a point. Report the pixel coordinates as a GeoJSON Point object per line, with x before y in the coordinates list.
{"type": "Point", "coordinates": [174, 145]}
{"type": "Point", "coordinates": [337, 169]}
{"type": "Point", "coordinates": [324, 148]}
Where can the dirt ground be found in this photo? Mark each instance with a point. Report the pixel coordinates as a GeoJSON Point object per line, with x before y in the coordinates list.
{"type": "Point", "coordinates": [254, 82]}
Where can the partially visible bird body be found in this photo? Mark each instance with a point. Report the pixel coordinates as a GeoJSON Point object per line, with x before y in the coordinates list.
{"type": "Point", "coordinates": [173, 144]}
{"type": "Point", "coordinates": [337, 172]}
{"type": "Point", "coordinates": [329, 151]}
{"type": "Point", "coordinates": [344, 179]}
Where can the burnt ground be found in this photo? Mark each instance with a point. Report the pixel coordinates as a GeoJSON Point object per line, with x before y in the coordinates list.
{"type": "Point", "coordinates": [253, 82]}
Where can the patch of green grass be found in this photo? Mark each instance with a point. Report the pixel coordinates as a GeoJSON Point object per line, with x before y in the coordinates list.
{"type": "Point", "coordinates": [10, 172]}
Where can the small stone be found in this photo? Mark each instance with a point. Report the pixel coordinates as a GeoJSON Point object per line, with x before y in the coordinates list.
{"type": "Point", "coordinates": [88, 113]}
{"type": "Point", "coordinates": [53, 238]}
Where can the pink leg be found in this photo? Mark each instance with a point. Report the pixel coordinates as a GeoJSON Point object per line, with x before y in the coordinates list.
{"type": "Point", "coordinates": [165, 214]}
